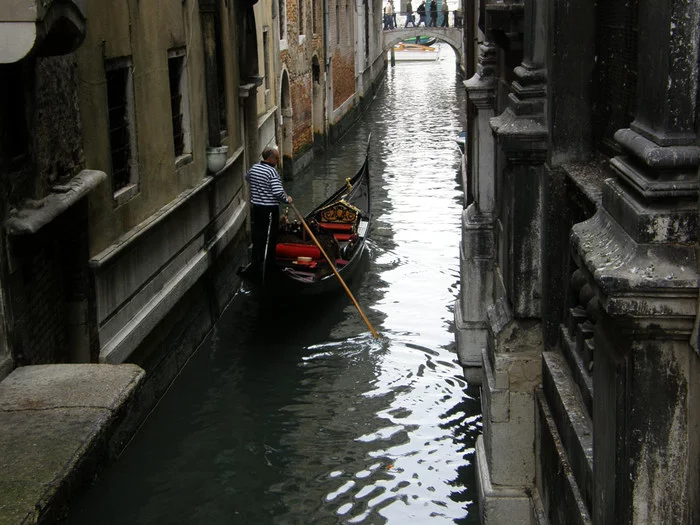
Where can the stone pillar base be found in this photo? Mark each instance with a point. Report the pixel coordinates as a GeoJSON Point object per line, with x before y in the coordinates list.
{"type": "Point", "coordinates": [500, 504]}
{"type": "Point", "coordinates": [470, 337]}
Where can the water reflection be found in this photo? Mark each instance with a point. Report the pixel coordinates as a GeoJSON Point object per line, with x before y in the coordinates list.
{"type": "Point", "coordinates": [293, 413]}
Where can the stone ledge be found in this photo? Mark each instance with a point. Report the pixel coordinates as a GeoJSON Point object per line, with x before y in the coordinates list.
{"type": "Point", "coordinates": [557, 487]}
{"type": "Point", "coordinates": [470, 338]}
{"type": "Point", "coordinates": [582, 377]}
{"type": "Point", "coordinates": [571, 419]}
{"type": "Point", "coordinates": [57, 428]}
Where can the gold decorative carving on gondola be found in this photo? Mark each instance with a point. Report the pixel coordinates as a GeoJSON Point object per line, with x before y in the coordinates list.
{"type": "Point", "coordinates": [340, 211]}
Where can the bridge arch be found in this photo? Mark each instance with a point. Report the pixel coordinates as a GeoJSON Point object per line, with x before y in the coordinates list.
{"type": "Point", "coordinates": [449, 35]}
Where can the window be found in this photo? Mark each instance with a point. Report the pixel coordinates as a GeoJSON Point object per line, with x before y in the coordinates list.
{"type": "Point", "coordinates": [301, 17]}
{"type": "Point", "coordinates": [283, 19]}
{"type": "Point", "coordinates": [121, 121]}
{"type": "Point", "coordinates": [337, 21]}
{"type": "Point", "coordinates": [347, 17]}
{"type": "Point", "coordinates": [314, 28]}
{"type": "Point", "coordinates": [366, 8]}
{"type": "Point", "coordinates": [266, 57]}
{"type": "Point", "coordinates": [220, 75]}
{"type": "Point", "coordinates": [179, 106]}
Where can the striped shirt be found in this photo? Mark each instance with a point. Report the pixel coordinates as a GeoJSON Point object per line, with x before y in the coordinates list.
{"type": "Point", "coordinates": [265, 185]}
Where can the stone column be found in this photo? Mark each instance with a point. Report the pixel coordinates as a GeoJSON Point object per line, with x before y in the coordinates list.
{"type": "Point", "coordinates": [639, 254]}
{"type": "Point", "coordinates": [512, 359]}
{"type": "Point", "coordinates": [478, 246]}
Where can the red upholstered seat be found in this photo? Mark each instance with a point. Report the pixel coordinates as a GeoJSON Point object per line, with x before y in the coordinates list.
{"type": "Point", "coordinates": [288, 250]}
{"type": "Point", "coordinates": [336, 226]}
{"type": "Point", "coordinates": [344, 236]}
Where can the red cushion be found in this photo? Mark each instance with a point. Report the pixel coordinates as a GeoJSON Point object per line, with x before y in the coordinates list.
{"type": "Point", "coordinates": [336, 226]}
{"type": "Point", "coordinates": [290, 250]}
{"type": "Point", "coordinates": [343, 236]}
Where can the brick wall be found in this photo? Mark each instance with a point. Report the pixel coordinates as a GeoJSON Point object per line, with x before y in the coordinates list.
{"type": "Point", "coordinates": [301, 103]}
{"type": "Point", "coordinates": [343, 77]}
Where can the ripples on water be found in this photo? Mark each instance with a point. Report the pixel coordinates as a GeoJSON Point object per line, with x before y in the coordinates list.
{"type": "Point", "coordinates": [294, 414]}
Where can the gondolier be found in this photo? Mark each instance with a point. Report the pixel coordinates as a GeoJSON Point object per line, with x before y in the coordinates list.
{"type": "Point", "coordinates": [266, 194]}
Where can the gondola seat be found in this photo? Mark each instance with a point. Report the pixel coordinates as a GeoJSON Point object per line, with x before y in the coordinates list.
{"type": "Point", "coordinates": [336, 226]}
{"type": "Point", "coordinates": [288, 250]}
{"type": "Point", "coordinates": [344, 237]}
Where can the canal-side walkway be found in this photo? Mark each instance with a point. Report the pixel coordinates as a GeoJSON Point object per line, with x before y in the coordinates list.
{"type": "Point", "coordinates": [58, 426]}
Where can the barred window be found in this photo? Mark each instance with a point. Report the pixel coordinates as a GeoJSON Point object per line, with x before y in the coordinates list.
{"type": "Point", "coordinates": [121, 121]}
{"type": "Point", "coordinates": [179, 106]}
{"type": "Point", "coordinates": [266, 57]}
{"type": "Point", "coordinates": [220, 75]}
{"type": "Point", "coordinates": [302, 25]}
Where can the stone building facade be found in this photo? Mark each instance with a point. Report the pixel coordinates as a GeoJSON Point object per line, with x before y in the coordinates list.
{"type": "Point", "coordinates": [578, 304]}
{"type": "Point", "coordinates": [123, 151]}
{"type": "Point", "coordinates": [331, 61]}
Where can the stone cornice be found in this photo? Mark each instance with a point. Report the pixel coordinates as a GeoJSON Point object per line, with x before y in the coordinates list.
{"type": "Point", "coordinates": [651, 285]}
{"type": "Point", "coordinates": [31, 219]}
{"type": "Point", "coordinates": [655, 188]}
{"type": "Point", "coordinates": [524, 138]}
{"type": "Point", "coordinates": [658, 157]}
{"type": "Point", "coordinates": [481, 90]}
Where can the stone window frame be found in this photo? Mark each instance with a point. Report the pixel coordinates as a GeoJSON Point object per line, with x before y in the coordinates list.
{"type": "Point", "coordinates": [125, 66]}
{"type": "Point", "coordinates": [266, 61]}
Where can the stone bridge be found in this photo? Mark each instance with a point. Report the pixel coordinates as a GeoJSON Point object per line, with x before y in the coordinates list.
{"type": "Point", "coordinates": [450, 35]}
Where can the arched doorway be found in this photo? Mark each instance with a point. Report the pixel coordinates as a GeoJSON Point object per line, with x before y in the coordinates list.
{"type": "Point", "coordinates": [287, 142]}
{"type": "Point", "coordinates": [317, 110]}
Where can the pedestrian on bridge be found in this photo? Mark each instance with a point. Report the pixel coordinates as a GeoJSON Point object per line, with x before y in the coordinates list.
{"type": "Point", "coordinates": [389, 15]}
{"type": "Point", "coordinates": [432, 7]}
{"type": "Point", "coordinates": [445, 14]}
{"type": "Point", "coordinates": [410, 19]}
{"type": "Point", "coordinates": [421, 17]}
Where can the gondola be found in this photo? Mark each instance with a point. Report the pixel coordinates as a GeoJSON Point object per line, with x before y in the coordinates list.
{"type": "Point", "coordinates": [340, 225]}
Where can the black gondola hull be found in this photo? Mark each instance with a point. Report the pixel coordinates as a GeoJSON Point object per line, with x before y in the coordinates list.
{"type": "Point", "coordinates": [302, 277]}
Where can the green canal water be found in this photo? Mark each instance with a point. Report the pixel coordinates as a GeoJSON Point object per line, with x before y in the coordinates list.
{"type": "Point", "coordinates": [295, 414]}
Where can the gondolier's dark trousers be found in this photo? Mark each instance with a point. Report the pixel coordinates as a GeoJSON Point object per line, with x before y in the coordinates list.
{"type": "Point", "coordinates": [264, 218]}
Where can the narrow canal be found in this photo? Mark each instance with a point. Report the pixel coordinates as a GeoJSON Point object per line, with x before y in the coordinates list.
{"type": "Point", "coordinates": [295, 414]}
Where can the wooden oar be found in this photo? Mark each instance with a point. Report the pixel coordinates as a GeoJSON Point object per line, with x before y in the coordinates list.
{"type": "Point", "coordinates": [335, 271]}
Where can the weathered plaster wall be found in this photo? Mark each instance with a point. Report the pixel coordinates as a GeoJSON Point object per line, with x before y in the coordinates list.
{"type": "Point", "coordinates": [138, 30]}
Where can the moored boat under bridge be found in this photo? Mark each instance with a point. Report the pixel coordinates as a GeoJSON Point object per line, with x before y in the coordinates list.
{"type": "Point", "coordinates": [452, 36]}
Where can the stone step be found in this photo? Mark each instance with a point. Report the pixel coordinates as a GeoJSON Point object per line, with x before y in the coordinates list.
{"type": "Point", "coordinates": [59, 425]}
{"type": "Point", "coordinates": [557, 488]}
{"type": "Point", "coordinates": [571, 418]}
{"type": "Point", "coordinates": [579, 371]}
